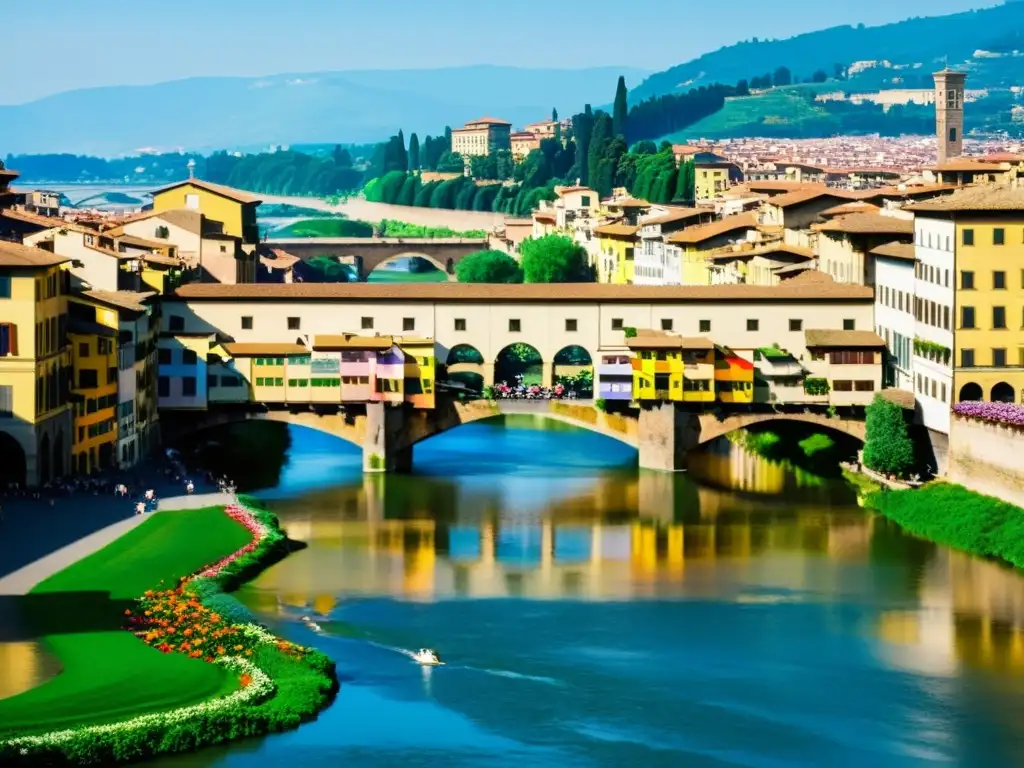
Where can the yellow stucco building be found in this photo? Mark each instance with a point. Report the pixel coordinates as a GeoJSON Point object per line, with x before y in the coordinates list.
{"type": "Point", "coordinates": [672, 368]}
{"type": "Point", "coordinates": [94, 386]}
{"type": "Point", "coordinates": [233, 208]}
{"type": "Point", "coordinates": [617, 244]}
{"type": "Point", "coordinates": [986, 226]}
{"type": "Point", "coordinates": [35, 366]}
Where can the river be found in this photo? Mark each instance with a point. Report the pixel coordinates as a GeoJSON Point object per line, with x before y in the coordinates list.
{"type": "Point", "coordinates": [743, 614]}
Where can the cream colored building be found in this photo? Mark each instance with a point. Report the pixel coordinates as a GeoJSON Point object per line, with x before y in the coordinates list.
{"type": "Point", "coordinates": [482, 137]}
{"type": "Point", "coordinates": [489, 318]}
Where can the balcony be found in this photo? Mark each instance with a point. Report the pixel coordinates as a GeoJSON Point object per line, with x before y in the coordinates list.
{"type": "Point", "coordinates": [615, 369]}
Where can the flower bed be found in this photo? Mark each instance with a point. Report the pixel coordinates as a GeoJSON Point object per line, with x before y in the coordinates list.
{"type": "Point", "coordinates": [280, 684]}
{"type": "Point", "coordinates": [1009, 414]}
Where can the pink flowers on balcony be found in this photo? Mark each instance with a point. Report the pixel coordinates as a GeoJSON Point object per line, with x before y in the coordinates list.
{"type": "Point", "coordinates": [1010, 414]}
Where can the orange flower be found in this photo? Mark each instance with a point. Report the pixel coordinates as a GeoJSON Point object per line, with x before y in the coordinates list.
{"type": "Point", "coordinates": [248, 651]}
{"type": "Point", "coordinates": [127, 612]}
{"type": "Point", "coordinates": [238, 647]}
{"type": "Point", "coordinates": [220, 650]}
{"type": "Point", "coordinates": [187, 632]}
{"type": "Point", "coordinates": [245, 680]}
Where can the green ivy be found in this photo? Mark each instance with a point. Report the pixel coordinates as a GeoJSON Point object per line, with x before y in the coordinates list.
{"type": "Point", "coordinates": [816, 386]}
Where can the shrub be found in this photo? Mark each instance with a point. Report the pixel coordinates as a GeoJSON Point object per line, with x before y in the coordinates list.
{"type": "Point", "coordinates": [816, 386]}
{"type": "Point", "coordinates": [601, 404]}
{"type": "Point", "coordinates": [887, 448]}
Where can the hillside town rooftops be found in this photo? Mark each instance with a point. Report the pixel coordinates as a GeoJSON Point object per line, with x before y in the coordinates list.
{"type": "Point", "coordinates": [238, 195]}
{"type": "Point", "coordinates": [616, 230]}
{"type": "Point", "coordinates": [676, 214]}
{"type": "Point", "coordinates": [133, 301]}
{"type": "Point", "coordinates": [18, 256]}
{"type": "Point", "coordinates": [270, 349]}
{"type": "Point", "coordinates": [867, 224]}
{"type": "Point", "coordinates": [793, 290]}
{"type": "Point", "coordinates": [801, 196]}
{"type": "Point", "coordinates": [469, 126]}
{"type": "Point", "coordinates": [896, 250]}
{"type": "Point", "coordinates": [856, 206]}
{"type": "Point", "coordinates": [628, 202]}
{"type": "Point", "coordinates": [967, 165]}
{"type": "Point", "coordinates": [843, 339]}
{"type": "Point", "coordinates": [981, 199]}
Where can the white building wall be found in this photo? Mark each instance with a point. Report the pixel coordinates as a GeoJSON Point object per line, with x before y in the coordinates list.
{"type": "Point", "coordinates": [934, 242]}
{"type": "Point", "coordinates": [894, 315]}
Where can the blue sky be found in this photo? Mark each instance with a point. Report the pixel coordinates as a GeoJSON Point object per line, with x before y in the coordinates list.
{"type": "Point", "coordinates": [66, 44]}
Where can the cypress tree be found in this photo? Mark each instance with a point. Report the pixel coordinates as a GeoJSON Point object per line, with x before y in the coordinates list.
{"type": "Point", "coordinates": [620, 112]}
{"type": "Point", "coordinates": [414, 153]}
{"type": "Point", "coordinates": [583, 126]}
{"type": "Point", "coordinates": [600, 137]}
{"type": "Point", "coordinates": [403, 155]}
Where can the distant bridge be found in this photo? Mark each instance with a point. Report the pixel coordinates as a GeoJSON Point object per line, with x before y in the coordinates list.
{"type": "Point", "coordinates": [662, 434]}
{"type": "Point", "coordinates": [368, 253]}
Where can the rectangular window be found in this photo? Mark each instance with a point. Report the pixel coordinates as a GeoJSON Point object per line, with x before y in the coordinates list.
{"type": "Point", "coordinates": [796, 325]}
{"type": "Point", "coordinates": [999, 317]}
{"type": "Point", "coordinates": [966, 358]}
{"type": "Point", "coordinates": [247, 323]}
{"type": "Point", "coordinates": [514, 326]}
{"type": "Point", "coordinates": [293, 323]}
{"type": "Point", "coordinates": [176, 322]}
{"type": "Point", "coordinates": [998, 236]}
{"type": "Point", "coordinates": [999, 358]}
{"type": "Point", "coordinates": [87, 379]}
{"type": "Point", "coordinates": [753, 325]}
{"type": "Point", "coordinates": [967, 317]}
{"type": "Point", "coordinates": [163, 386]}
{"type": "Point", "coordinates": [188, 386]}
{"type": "Point", "coordinates": [617, 324]}
{"type": "Point", "coordinates": [366, 323]}
{"type": "Point", "coordinates": [842, 386]}
{"type": "Point", "coordinates": [571, 326]}
{"type": "Point", "coordinates": [211, 380]}
{"type": "Point", "coordinates": [999, 280]}
{"type": "Point", "coordinates": [968, 237]}
{"type": "Point", "coordinates": [188, 357]}
{"type": "Point", "coordinates": [6, 401]}
{"type": "Point", "coordinates": [408, 323]}
{"type": "Point", "coordinates": [666, 324]}
{"type": "Point", "coordinates": [83, 349]}
{"type": "Point", "coordinates": [966, 281]}
{"type": "Point", "coordinates": [5, 287]}
{"type": "Point", "coordinates": [849, 324]}
{"type": "Point", "coordinates": [705, 326]}
{"type": "Point", "coordinates": [460, 324]}
{"type": "Point", "coordinates": [864, 386]}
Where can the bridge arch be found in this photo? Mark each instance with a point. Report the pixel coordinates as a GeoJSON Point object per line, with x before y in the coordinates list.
{"type": "Point", "coordinates": [520, 359]}
{"type": "Point", "coordinates": [711, 427]}
{"type": "Point", "coordinates": [465, 365]}
{"type": "Point", "coordinates": [444, 265]}
{"type": "Point", "coordinates": [348, 427]}
{"type": "Point", "coordinates": [573, 368]}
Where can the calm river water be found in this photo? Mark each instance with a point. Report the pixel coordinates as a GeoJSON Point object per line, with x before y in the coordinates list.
{"type": "Point", "coordinates": [744, 614]}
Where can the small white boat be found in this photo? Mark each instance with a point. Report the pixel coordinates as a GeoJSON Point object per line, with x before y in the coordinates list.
{"type": "Point", "coordinates": [311, 624]}
{"type": "Point", "coordinates": [427, 658]}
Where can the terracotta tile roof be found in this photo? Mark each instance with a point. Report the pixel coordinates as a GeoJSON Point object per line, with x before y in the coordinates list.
{"type": "Point", "coordinates": [241, 349]}
{"type": "Point", "coordinates": [767, 251]}
{"type": "Point", "coordinates": [801, 196]}
{"type": "Point", "coordinates": [21, 256]}
{"type": "Point", "coordinates": [867, 224]}
{"type": "Point", "coordinates": [857, 206]}
{"type": "Point", "coordinates": [488, 121]}
{"type": "Point", "coordinates": [184, 218]}
{"type": "Point", "coordinates": [566, 190]}
{"type": "Point", "coordinates": [904, 398]}
{"type": "Point", "coordinates": [677, 214]}
{"type": "Point", "coordinates": [130, 300]}
{"type": "Point", "coordinates": [616, 230]}
{"type": "Point", "coordinates": [844, 339]}
{"type": "Point", "coordinates": [967, 165]}
{"type": "Point", "coordinates": [980, 198]}
{"type": "Point", "coordinates": [528, 292]}
{"type": "Point", "coordinates": [693, 235]}
{"type": "Point", "coordinates": [1003, 157]}
{"type": "Point", "coordinates": [544, 216]}
{"type": "Point", "coordinates": [230, 193]}
{"type": "Point", "coordinates": [809, 267]}
{"type": "Point", "coordinates": [651, 339]}
{"type": "Point", "coordinates": [351, 341]}
{"type": "Point", "coordinates": [896, 250]}
{"type": "Point", "coordinates": [113, 254]}
{"type": "Point", "coordinates": [138, 242]}
{"type": "Point", "coordinates": [628, 202]}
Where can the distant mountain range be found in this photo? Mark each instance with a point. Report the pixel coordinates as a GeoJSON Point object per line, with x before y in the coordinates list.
{"type": "Point", "coordinates": [212, 113]}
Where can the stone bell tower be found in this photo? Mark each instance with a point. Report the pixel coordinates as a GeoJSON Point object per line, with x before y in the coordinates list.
{"type": "Point", "coordinates": [949, 113]}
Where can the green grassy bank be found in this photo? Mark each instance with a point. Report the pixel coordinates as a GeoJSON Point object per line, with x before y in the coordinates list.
{"type": "Point", "coordinates": [121, 700]}
{"type": "Point", "coordinates": [956, 517]}
{"type": "Point", "coordinates": [107, 673]}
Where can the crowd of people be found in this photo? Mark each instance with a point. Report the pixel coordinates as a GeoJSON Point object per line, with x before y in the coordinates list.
{"type": "Point", "coordinates": [519, 390]}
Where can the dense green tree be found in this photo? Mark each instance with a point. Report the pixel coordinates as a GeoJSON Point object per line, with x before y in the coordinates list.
{"type": "Point", "coordinates": [554, 115]}
{"type": "Point", "coordinates": [325, 269]}
{"type": "Point", "coordinates": [488, 267]}
{"type": "Point", "coordinates": [686, 180]}
{"type": "Point", "coordinates": [645, 147]}
{"type": "Point", "coordinates": [451, 162]}
{"type": "Point", "coordinates": [554, 259]}
{"type": "Point", "coordinates": [342, 157]}
{"type": "Point", "coordinates": [620, 110]}
{"type": "Point", "coordinates": [582, 128]}
{"type": "Point", "coordinates": [414, 152]}
{"type": "Point", "coordinates": [655, 179]}
{"type": "Point", "coordinates": [742, 88]}
{"type": "Point", "coordinates": [782, 76]}
{"type": "Point", "coordinates": [820, 76]}
{"type": "Point", "coordinates": [887, 448]}
{"type": "Point", "coordinates": [662, 115]}
{"type": "Point", "coordinates": [600, 138]}
{"type": "Point", "coordinates": [407, 195]}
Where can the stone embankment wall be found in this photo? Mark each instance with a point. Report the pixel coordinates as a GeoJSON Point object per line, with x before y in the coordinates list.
{"type": "Point", "coordinates": [988, 458]}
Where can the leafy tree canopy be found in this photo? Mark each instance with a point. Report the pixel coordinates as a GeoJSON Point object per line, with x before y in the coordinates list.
{"type": "Point", "coordinates": [554, 259]}
{"type": "Point", "coordinates": [488, 267]}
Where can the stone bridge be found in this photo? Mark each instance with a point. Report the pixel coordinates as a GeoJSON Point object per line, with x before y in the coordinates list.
{"type": "Point", "coordinates": [368, 253]}
{"type": "Point", "coordinates": [662, 434]}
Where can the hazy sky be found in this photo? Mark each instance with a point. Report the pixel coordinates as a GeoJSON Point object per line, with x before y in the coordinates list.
{"type": "Point", "coordinates": [66, 44]}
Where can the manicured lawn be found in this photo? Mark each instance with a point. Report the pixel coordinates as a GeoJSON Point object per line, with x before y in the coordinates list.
{"type": "Point", "coordinates": [109, 674]}
{"type": "Point", "coordinates": [952, 515]}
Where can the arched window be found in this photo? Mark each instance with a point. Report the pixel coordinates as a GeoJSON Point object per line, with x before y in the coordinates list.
{"type": "Point", "coordinates": [971, 392]}
{"type": "Point", "coordinates": [1002, 393]}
